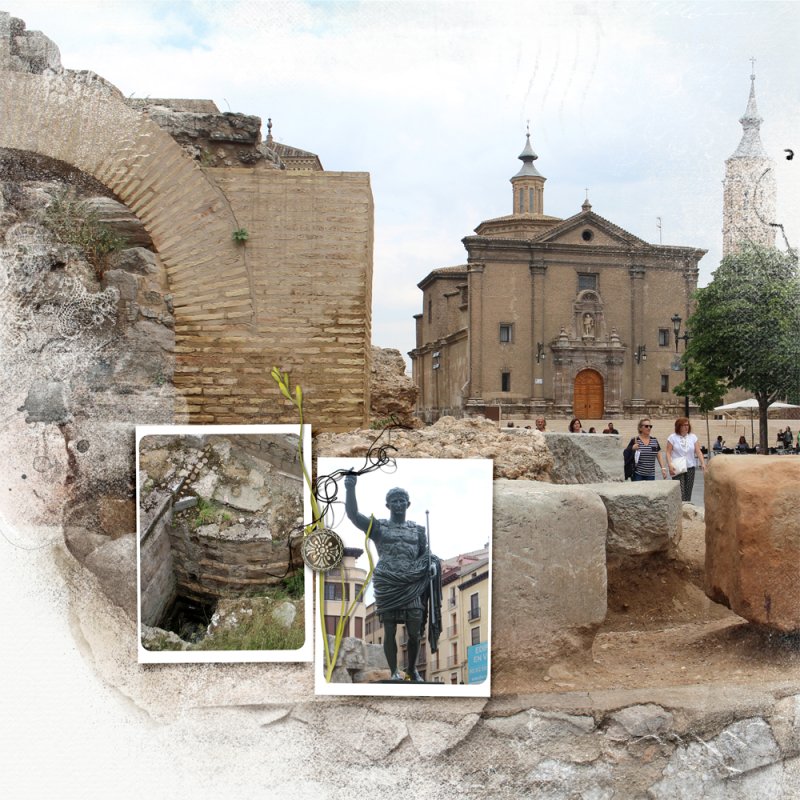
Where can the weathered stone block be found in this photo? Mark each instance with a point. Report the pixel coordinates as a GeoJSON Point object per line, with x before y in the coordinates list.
{"type": "Point", "coordinates": [579, 458]}
{"type": "Point", "coordinates": [753, 538]}
{"type": "Point", "coordinates": [184, 503]}
{"type": "Point", "coordinates": [549, 576]}
{"type": "Point", "coordinates": [643, 517]}
{"type": "Point", "coordinates": [114, 563]}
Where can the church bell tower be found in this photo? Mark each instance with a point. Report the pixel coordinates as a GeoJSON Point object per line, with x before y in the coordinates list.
{"type": "Point", "coordinates": [749, 191]}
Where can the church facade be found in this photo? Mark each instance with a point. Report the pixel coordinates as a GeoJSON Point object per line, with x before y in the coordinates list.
{"type": "Point", "coordinates": [561, 317]}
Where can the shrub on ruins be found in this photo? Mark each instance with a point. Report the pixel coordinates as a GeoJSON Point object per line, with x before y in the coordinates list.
{"type": "Point", "coordinates": [73, 222]}
{"type": "Point", "coordinates": [745, 330]}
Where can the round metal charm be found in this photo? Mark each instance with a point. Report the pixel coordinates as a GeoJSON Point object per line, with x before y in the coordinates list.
{"type": "Point", "coordinates": [322, 550]}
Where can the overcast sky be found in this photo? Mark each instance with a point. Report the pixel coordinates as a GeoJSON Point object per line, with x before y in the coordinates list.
{"type": "Point", "coordinates": [639, 102]}
{"type": "Point", "coordinates": [456, 492]}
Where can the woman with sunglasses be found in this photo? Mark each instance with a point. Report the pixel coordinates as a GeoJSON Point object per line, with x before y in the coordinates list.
{"type": "Point", "coordinates": [649, 451]}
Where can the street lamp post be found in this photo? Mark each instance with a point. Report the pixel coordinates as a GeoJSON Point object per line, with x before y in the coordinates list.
{"type": "Point", "coordinates": [676, 327]}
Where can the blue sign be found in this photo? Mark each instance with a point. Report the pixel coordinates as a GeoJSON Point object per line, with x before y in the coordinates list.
{"type": "Point", "coordinates": [478, 662]}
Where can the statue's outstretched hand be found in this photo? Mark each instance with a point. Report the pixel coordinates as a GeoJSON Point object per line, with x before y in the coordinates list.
{"type": "Point", "coordinates": [350, 480]}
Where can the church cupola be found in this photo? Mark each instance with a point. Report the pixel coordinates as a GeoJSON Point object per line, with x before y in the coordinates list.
{"type": "Point", "coordinates": [528, 183]}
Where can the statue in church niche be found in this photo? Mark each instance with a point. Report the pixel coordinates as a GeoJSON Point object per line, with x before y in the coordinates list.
{"type": "Point", "coordinates": [588, 325]}
{"type": "Point", "coordinates": [406, 580]}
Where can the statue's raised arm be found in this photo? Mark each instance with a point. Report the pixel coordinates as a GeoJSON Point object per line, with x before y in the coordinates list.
{"type": "Point", "coordinates": [351, 505]}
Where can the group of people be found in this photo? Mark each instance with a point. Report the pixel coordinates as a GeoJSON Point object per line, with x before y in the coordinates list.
{"type": "Point", "coordinates": [683, 455]}
{"type": "Point", "coordinates": [786, 438]}
{"type": "Point", "coordinates": [575, 426]}
{"type": "Point", "coordinates": [741, 446]}
{"type": "Point", "coordinates": [785, 441]}
{"type": "Point", "coordinates": [679, 461]}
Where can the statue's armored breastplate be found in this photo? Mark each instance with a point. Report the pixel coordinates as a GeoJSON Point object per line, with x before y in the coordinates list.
{"type": "Point", "coordinates": [399, 543]}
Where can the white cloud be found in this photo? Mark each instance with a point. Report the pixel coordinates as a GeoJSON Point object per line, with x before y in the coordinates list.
{"type": "Point", "coordinates": [638, 101]}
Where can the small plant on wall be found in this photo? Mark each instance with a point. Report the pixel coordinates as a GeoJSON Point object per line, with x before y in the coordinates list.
{"type": "Point", "coordinates": [75, 222]}
{"type": "Point", "coordinates": [240, 235]}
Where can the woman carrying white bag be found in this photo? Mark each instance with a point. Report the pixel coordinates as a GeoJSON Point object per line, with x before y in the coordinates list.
{"type": "Point", "coordinates": [683, 456]}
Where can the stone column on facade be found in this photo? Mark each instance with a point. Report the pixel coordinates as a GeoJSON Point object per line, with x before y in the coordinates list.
{"type": "Point", "coordinates": [638, 312]}
{"type": "Point", "coordinates": [474, 391]}
{"type": "Point", "coordinates": [562, 365]}
{"type": "Point", "coordinates": [539, 369]}
{"type": "Point", "coordinates": [615, 359]}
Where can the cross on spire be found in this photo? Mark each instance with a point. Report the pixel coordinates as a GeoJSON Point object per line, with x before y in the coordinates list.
{"type": "Point", "coordinates": [753, 67]}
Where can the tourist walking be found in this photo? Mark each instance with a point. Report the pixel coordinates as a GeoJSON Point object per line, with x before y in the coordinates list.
{"type": "Point", "coordinates": [646, 451]}
{"type": "Point", "coordinates": [683, 456]}
{"type": "Point", "coordinates": [575, 426]}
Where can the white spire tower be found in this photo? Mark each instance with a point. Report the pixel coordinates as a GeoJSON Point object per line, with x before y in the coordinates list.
{"type": "Point", "coordinates": [749, 191]}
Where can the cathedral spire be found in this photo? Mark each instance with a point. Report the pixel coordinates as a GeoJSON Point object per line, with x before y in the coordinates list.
{"type": "Point", "coordinates": [749, 190]}
{"type": "Point", "coordinates": [528, 183]}
{"type": "Point", "coordinates": [750, 145]}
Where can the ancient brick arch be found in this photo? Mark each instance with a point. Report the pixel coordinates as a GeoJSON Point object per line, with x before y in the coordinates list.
{"type": "Point", "coordinates": [297, 295]}
{"type": "Point", "coordinates": [79, 119]}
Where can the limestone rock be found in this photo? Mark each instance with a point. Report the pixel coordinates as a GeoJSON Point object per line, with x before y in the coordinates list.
{"type": "Point", "coordinates": [159, 639]}
{"type": "Point", "coordinates": [643, 516]}
{"type": "Point", "coordinates": [359, 662]}
{"type": "Point", "coordinates": [114, 563]}
{"type": "Point", "coordinates": [392, 392]}
{"type": "Point", "coordinates": [539, 727]}
{"type": "Point", "coordinates": [753, 538]}
{"type": "Point", "coordinates": [641, 720]}
{"type": "Point", "coordinates": [434, 737]}
{"type": "Point", "coordinates": [26, 51]}
{"type": "Point", "coordinates": [138, 260]}
{"type": "Point", "coordinates": [715, 769]}
{"type": "Point", "coordinates": [518, 454]}
{"type": "Point", "coordinates": [81, 541]}
{"type": "Point", "coordinates": [548, 540]}
{"type": "Point", "coordinates": [585, 458]}
{"type": "Point", "coordinates": [785, 724]}
{"type": "Point", "coordinates": [284, 614]}
{"type": "Point", "coordinates": [553, 779]}
{"type": "Point", "coordinates": [121, 220]}
{"type": "Point", "coordinates": [213, 138]}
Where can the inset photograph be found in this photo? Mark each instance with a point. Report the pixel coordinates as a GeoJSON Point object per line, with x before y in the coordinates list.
{"type": "Point", "coordinates": [407, 610]}
{"type": "Point", "coordinates": [221, 511]}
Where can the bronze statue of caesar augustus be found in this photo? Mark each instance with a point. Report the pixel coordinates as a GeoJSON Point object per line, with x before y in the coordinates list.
{"type": "Point", "coordinates": [406, 580]}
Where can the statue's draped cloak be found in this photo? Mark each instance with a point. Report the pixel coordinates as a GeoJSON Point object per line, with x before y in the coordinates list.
{"type": "Point", "coordinates": [402, 579]}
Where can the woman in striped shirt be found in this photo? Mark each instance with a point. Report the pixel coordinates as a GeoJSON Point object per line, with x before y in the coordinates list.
{"type": "Point", "coordinates": [649, 451]}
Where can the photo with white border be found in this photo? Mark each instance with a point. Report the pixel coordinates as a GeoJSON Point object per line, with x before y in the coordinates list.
{"type": "Point", "coordinates": [450, 500]}
{"type": "Point", "coordinates": [219, 515]}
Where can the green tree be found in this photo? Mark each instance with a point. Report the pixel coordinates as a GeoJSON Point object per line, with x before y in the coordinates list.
{"type": "Point", "coordinates": [704, 388]}
{"type": "Point", "coordinates": [745, 330]}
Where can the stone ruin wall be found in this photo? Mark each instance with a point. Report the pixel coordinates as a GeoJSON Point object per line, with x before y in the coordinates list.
{"type": "Point", "coordinates": [157, 578]}
{"type": "Point", "coordinates": [296, 295]}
